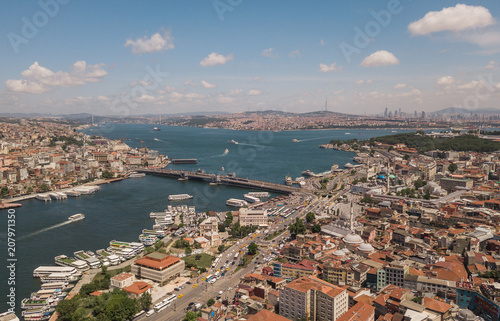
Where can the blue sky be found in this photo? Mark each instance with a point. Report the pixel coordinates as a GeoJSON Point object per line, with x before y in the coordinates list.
{"type": "Point", "coordinates": [135, 57]}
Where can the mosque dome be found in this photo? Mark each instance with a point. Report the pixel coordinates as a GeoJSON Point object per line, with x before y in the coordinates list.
{"type": "Point", "coordinates": [353, 239]}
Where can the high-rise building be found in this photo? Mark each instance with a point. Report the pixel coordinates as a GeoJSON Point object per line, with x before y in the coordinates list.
{"type": "Point", "coordinates": [313, 299]}
{"type": "Point", "coordinates": [385, 112]}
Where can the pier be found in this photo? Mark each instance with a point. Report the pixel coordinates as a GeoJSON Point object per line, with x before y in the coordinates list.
{"type": "Point", "coordinates": [224, 180]}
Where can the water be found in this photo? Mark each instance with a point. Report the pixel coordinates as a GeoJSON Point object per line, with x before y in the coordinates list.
{"type": "Point", "coordinates": [121, 210]}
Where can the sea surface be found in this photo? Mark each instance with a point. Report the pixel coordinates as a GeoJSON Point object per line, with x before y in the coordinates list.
{"type": "Point", "coordinates": [119, 211]}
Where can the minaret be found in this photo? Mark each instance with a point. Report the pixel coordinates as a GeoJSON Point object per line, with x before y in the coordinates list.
{"type": "Point", "coordinates": [351, 219]}
{"type": "Point", "coordinates": [326, 104]}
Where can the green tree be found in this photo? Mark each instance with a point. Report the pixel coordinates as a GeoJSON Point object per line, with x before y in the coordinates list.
{"type": "Point", "coordinates": [120, 307]}
{"type": "Point", "coordinates": [189, 250]}
{"type": "Point", "coordinates": [252, 248]}
{"type": "Point", "coordinates": [190, 316]}
{"type": "Point", "coordinates": [222, 228]}
{"type": "Point", "coordinates": [298, 227]}
{"type": "Point", "coordinates": [419, 183]}
{"type": "Point", "coordinates": [44, 188]}
{"type": "Point", "coordinates": [65, 309]}
{"type": "Point", "coordinates": [316, 228]}
{"type": "Point", "coordinates": [210, 302]}
{"type": "Point", "coordinates": [221, 248]}
{"type": "Point", "coordinates": [452, 167]}
{"type": "Point", "coordinates": [310, 217]}
{"type": "Point", "coordinates": [4, 192]}
{"type": "Point", "coordinates": [145, 301]}
{"type": "Point", "coordinates": [29, 190]}
{"type": "Point", "coordinates": [107, 174]}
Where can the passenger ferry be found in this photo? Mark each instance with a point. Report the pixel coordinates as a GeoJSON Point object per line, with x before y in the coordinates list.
{"type": "Point", "coordinates": [236, 202]}
{"type": "Point", "coordinates": [179, 197]}
{"type": "Point", "coordinates": [251, 199]}
{"type": "Point", "coordinates": [47, 270]}
{"type": "Point", "coordinates": [136, 175]}
{"type": "Point", "coordinates": [259, 194]}
{"type": "Point", "coordinates": [59, 277]}
{"type": "Point", "coordinates": [76, 217]}
{"type": "Point", "coordinates": [43, 197]}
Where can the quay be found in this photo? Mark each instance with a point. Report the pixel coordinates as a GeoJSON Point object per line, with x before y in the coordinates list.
{"type": "Point", "coordinates": [224, 180]}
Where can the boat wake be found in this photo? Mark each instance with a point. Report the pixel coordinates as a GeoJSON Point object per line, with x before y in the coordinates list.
{"type": "Point", "coordinates": [159, 140]}
{"type": "Point", "coordinates": [220, 155]}
{"type": "Point", "coordinates": [254, 145]}
{"type": "Point", "coordinates": [306, 140]}
{"type": "Point", "coordinates": [44, 230]}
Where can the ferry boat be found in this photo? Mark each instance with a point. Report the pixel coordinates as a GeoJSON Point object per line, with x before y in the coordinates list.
{"type": "Point", "coordinates": [251, 199]}
{"type": "Point", "coordinates": [47, 270]}
{"type": "Point", "coordinates": [288, 180]}
{"type": "Point", "coordinates": [76, 217]}
{"type": "Point", "coordinates": [295, 140]}
{"type": "Point", "coordinates": [179, 197]}
{"type": "Point", "coordinates": [38, 314]}
{"type": "Point", "coordinates": [43, 197]}
{"type": "Point", "coordinates": [148, 240]}
{"type": "Point", "coordinates": [226, 151]}
{"type": "Point", "coordinates": [62, 286]}
{"type": "Point", "coordinates": [59, 277]}
{"type": "Point", "coordinates": [236, 202]}
{"type": "Point", "coordinates": [136, 175]}
{"type": "Point", "coordinates": [157, 129]}
{"type": "Point", "coordinates": [73, 193]}
{"type": "Point", "coordinates": [259, 194]}
{"type": "Point", "coordinates": [232, 141]}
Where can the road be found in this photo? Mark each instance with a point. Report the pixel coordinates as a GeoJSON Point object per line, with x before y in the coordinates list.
{"type": "Point", "coordinates": [203, 291]}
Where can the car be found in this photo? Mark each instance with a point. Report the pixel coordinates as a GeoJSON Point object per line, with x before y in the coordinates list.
{"type": "Point", "coordinates": [195, 285]}
{"type": "Point", "coordinates": [177, 289]}
{"type": "Point", "coordinates": [221, 292]}
{"type": "Point", "coordinates": [180, 296]}
{"type": "Point", "coordinates": [150, 312]}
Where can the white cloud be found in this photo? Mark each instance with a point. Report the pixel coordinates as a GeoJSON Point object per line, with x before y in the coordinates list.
{"type": "Point", "coordinates": [192, 96]}
{"type": "Point", "coordinates": [102, 98]}
{"type": "Point", "coordinates": [491, 65]}
{"type": "Point", "coordinates": [206, 84]}
{"type": "Point", "coordinates": [337, 92]}
{"type": "Point", "coordinates": [269, 52]}
{"type": "Point", "coordinates": [413, 92]}
{"type": "Point", "coordinates": [38, 79]}
{"type": "Point", "coordinates": [294, 54]}
{"type": "Point", "coordinates": [362, 81]}
{"type": "Point", "coordinates": [445, 81]}
{"type": "Point", "coordinates": [458, 18]}
{"type": "Point", "coordinates": [175, 96]}
{"type": "Point", "coordinates": [254, 92]}
{"type": "Point", "coordinates": [380, 58]}
{"type": "Point", "coordinates": [145, 98]}
{"type": "Point", "coordinates": [158, 42]}
{"type": "Point", "coordinates": [189, 83]}
{"type": "Point", "coordinates": [235, 92]}
{"type": "Point", "coordinates": [215, 59]}
{"type": "Point", "coordinates": [321, 42]}
{"type": "Point", "coordinates": [258, 79]}
{"type": "Point", "coordinates": [400, 86]}
{"type": "Point", "coordinates": [224, 100]}
{"type": "Point", "coordinates": [470, 85]}
{"type": "Point", "coordinates": [329, 68]}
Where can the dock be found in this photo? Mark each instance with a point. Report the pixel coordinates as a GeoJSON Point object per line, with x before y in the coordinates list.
{"type": "Point", "coordinates": [223, 180]}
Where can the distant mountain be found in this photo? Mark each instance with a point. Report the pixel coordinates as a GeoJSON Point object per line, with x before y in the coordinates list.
{"type": "Point", "coordinates": [321, 113]}
{"type": "Point", "coordinates": [464, 111]}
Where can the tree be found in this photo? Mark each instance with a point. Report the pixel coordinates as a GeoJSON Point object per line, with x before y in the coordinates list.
{"type": "Point", "coordinates": [107, 174]}
{"type": "Point", "coordinates": [310, 217]}
{"type": "Point", "coordinates": [298, 227]}
{"type": "Point", "coordinates": [197, 257]}
{"type": "Point", "coordinates": [145, 301]}
{"type": "Point", "coordinates": [316, 228]}
{"type": "Point", "coordinates": [4, 191]}
{"type": "Point", "coordinates": [222, 228]}
{"type": "Point", "coordinates": [210, 302]}
{"type": "Point", "coordinates": [189, 250]}
{"type": "Point", "coordinates": [452, 168]}
{"type": "Point", "coordinates": [29, 190]}
{"type": "Point", "coordinates": [221, 248]}
{"type": "Point", "coordinates": [190, 316]}
{"type": "Point", "coordinates": [65, 308]}
{"type": "Point", "coordinates": [44, 188]}
{"type": "Point", "coordinates": [252, 248]}
{"type": "Point", "coordinates": [120, 307]}
{"type": "Point", "coordinates": [419, 183]}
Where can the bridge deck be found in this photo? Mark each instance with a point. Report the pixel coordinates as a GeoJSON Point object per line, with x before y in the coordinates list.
{"type": "Point", "coordinates": [224, 179]}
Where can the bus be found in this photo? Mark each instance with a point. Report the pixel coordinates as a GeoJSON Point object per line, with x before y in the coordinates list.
{"type": "Point", "coordinates": [161, 306]}
{"type": "Point", "coordinates": [209, 278]}
{"type": "Point", "coordinates": [170, 299]}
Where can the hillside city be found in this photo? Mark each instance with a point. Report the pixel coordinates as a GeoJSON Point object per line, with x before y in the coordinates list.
{"type": "Point", "coordinates": [403, 233]}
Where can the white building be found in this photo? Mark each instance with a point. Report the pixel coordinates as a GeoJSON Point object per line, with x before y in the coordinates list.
{"type": "Point", "coordinates": [255, 217]}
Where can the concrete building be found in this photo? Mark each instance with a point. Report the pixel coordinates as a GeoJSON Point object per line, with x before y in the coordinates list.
{"type": "Point", "coordinates": [121, 280]}
{"type": "Point", "coordinates": [313, 299]}
{"type": "Point", "coordinates": [249, 216]}
{"type": "Point", "coordinates": [158, 267]}
{"type": "Point", "coordinates": [395, 273]}
{"type": "Point", "coordinates": [450, 183]}
{"type": "Point", "coordinates": [210, 225]}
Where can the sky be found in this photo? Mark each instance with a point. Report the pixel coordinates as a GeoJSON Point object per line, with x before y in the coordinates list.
{"type": "Point", "coordinates": [121, 58]}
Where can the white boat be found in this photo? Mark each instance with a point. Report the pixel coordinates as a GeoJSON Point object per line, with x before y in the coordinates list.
{"type": "Point", "coordinates": [73, 193]}
{"type": "Point", "coordinates": [43, 197]}
{"type": "Point", "coordinates": [259, 194]}
{"type": "Point", "coordinates": [179, 197]}
{"type": "Point", "coordinates": [308, 173]}
{"type": "Point", "coordinates": [76, 217]}
{"type": "Point", "coordinates": [251, 199]}
{"type": "Point", "coordinates": [295, 140]}
{"type": "Point", "coordinates": [47, 270]}
{"type": "Point", "coordinates": [348, 133]}
{"type": "Point", "coordinates": [232, 141]}
{"type": "Point", "coordinates": [59, 277]}
{"type": "Point", "coordinates": [226, 151]}
{"type": "Point", "coordinates": [236, 202]}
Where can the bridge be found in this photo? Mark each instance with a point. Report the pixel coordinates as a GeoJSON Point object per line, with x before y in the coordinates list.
{"type": "Point", "coordinates": [230, 180]}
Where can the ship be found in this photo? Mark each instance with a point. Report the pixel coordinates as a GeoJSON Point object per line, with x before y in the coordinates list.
{"type": "Point", "coordinates": [232, 141]}
{"type": "Point", "coordinates": [236, 202]}
{"type": "Point", "coordinates": [226, 151]}
{"type": "Point", "coordinates": [157, 129]}
{"type": "Point", "coordinates": [259, 194]}
{"type": "Point", "coordinates": [136, 175]}
{"type": "Point", "coordinates": [251, 199]}
{"type": "Point", "coordinates": [179, 197]}
{"type": "Point", "coordinates": [288, 180]}
{"type": "Point", "coordinates": [76, 217]}
{"type": "Point", "coordinates": [294, 140]}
